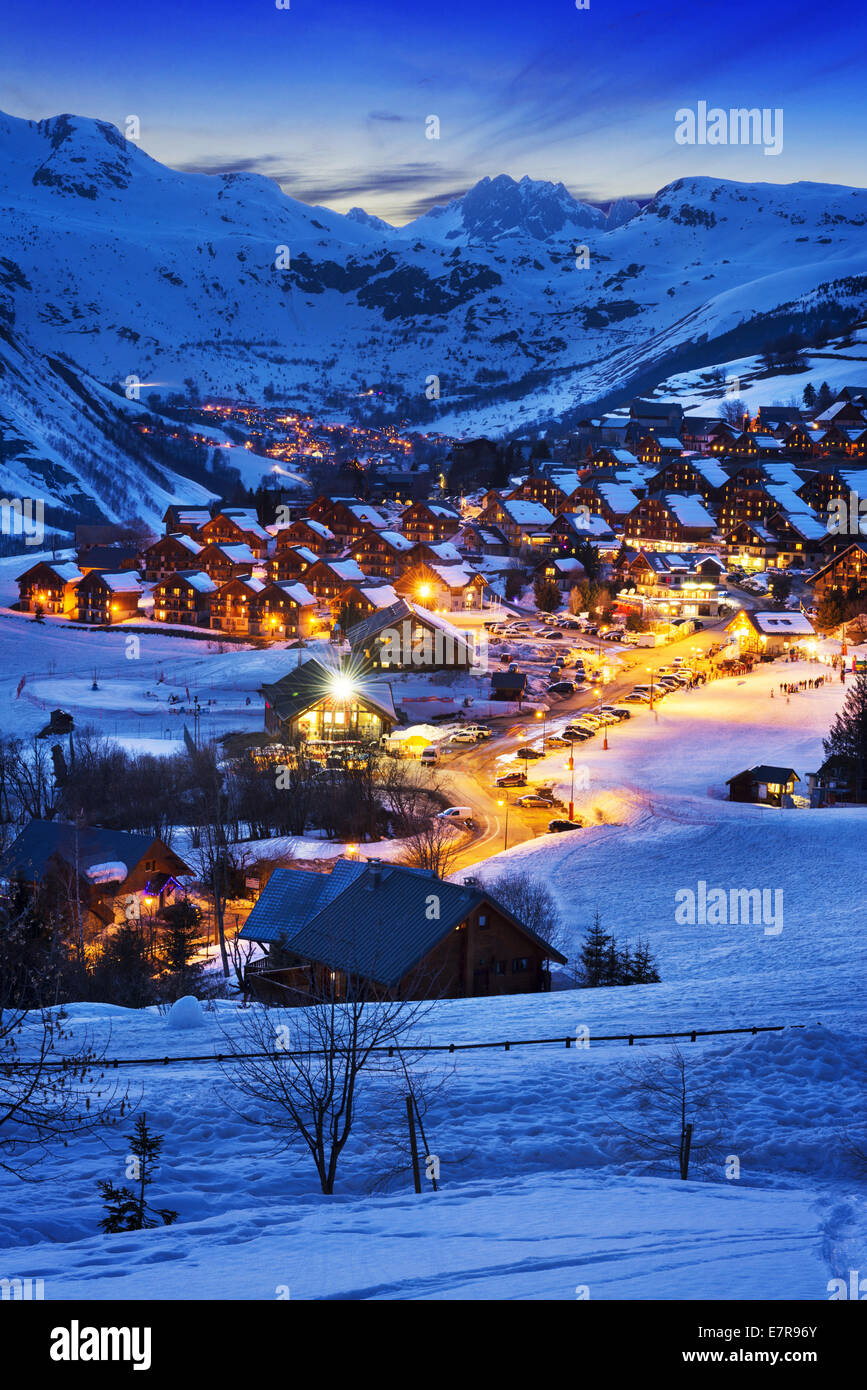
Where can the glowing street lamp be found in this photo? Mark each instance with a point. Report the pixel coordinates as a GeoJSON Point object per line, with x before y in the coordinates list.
{"type": "Point", "coordinates": [506, 831]}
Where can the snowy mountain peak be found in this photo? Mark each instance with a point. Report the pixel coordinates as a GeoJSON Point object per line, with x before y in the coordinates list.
{"type": "Point", "coordinates": [500, 207]}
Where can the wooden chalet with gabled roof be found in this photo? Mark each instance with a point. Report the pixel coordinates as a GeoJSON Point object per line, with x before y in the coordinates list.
{"type": "Point", "coordinates": [308, 531]}
{"type": "Point", "coordinates": [453, 588]}
{"type": "Point", "coordinates": [375, 930]}
{"type": "Point", "coordinates": [764, 784]}
{"type": "Point", "coordinates": [382, 553]}
{"type": "Point", "coordinates": [51, 586]}
{"type": "Point", "coordinates": [430, 521]}
{"type": "Point", "coordinates": [844, 574]}
{"type": "Point", "coordinates": [327, 578]}
{"type": "Point", "coordinates": [291, 562]}
{"type": "Point", "coordinates": [406, 637]}
{"type": "Point", "coordinates": [185, 598]}
{"type": "Point", "coordinates": [538, 488]}
{"type": "Point", "coordinates": [674, 519]}
{"type": "Point", "coordinates": [237, 526]}
{"type": "Point", "coordinates": [119, 875]}
{"type": "Point", "coordinates": [186, 521]}
{"type": "Point", "coordinates": [234, 607]}
{"type": "Point", "coordinates": [224, 561]}
{"type": "Point", "coordinates": [108, 598]}
{"type": "Point", "coordinates": [315, 702]}
{"type": "Point", "coordinates": [169, 554]}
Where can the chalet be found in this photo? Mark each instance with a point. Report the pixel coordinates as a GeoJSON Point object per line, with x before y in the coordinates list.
{"type": "Point", "coordinates": [522, 523]}
{"type": "Point", "coordinates": [108, 598]}
{"type": "Point", "coordinates": [843, 414]}
{"type": "Point", "coordinates": [566, 572]}
{"type": "Point", "coordinates": [236, 526]}
{"type": "Point", "coordinates": [188, 521]}
{"type": "Point", "coordinates": [744, 500]}
{"type": "Point", "coordinates": [337, 937]}
{"type": "Point", "coordinates": [49, 586]}
{"type": "Point", "coordinates": [224, 561]}
{"type": "Point", "coordinates": [799, 537]}
{"type": "Point", "coordinates": [608, 460]}
{"type": "Point", "coordinates": [613, 501]}
{"type": "Point", "coordinates": [673, 520]}
{"type": "Point", "coordinates": [430, 521]}
{"type": "Point", "coordinates": [327, 578]}
{"type": "Point", "coordinates": [306, 530]}
{"type": "Point", "coordinates": [538, 488]}
{"type": "Point", "coordinates": [168, 555]}
{"type": "Point", "coordinates": [452, 588]}
{"type": "Point", "coordinates": [676, 584]}
{"type": "Point", "coordinates": [659, 449]}
{"type": "Point", "coordinates": [573, 530]}
{"type": "Point", "coordinates": [689, 475]}
{"type": "Point", "coordinates": [407, 637]}
{"type": "Point", "coordinates": [290, 563]}
{"type": "Point", "coordinates": [767, 785]}
{"type": "Point", "coordinates": [721, 437]}
{"type": "Point", "coordinates": [770, 634]}
{"type": "Point", "coordinates": [800, 440]}
{"type": "Point", "coordinates": [697, 432]}
{"type": "Point", "coordinates": [751, 546]}
{"type": "Point", "coordinates": [234, 607]}
{"type": "Point", "coordinates": [346, 517]}
{"type": "Point", "coordinates": [778, 419]}
{"type": "Point", "coordinates": [315, 702]}
{"type": "Point", "coordinates": [286, 611]}
{"type": "Point", "coordinates": [185, 598]}
{"type": "Point", "coordinates": [357, 601]}
{"type": "Point", "coordinates": [841, 780]}
{"type": "Point", "coordinates": [474, 539]}
{"type": "Point", "coordinates": [844, 574]}
{"type": "Point", "coordinates": [383, 553]}
{"type": "Point", "coordinates": [119, 876]}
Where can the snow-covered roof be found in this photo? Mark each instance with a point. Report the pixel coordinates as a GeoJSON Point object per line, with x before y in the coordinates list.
{"type": "Point", "coordinates": [114, 871]}
{"type": "Point", "coordinates": [808, 525]}
{"type": "Point", "coordinates": [239, 554]}
{"type": "Point", "coordinates": [300, 594]}
{"type": "Point", "coordinates": [198, 580]}
{"type": "Point", "coordinates": [525, 513]}
{"type": "Point", "coordinates": [690, 511]}
{"type": "Point", "coordinates": [710, 471]}
{"type": "Point", "coordinates": [380, 595]}
{"type": "Point", "coordinates": [370, 515]}
{"type": "Point", "coordinates": [186, 541]}
{"type": "Point", "coordinates": [782, 623]}
{"type": "Point", "coordinates": [125, 582]}
{"type": "Point", "coordinates": [345, 569]}
{"type": "Point", "coordinates": [620, 498]}
{"type": "Point", "coordinates": [447, 552]}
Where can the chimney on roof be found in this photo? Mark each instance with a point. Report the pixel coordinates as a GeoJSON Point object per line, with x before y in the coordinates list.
{"type": "Point", "coordinates": [471, 881]}
{"type": "Point", "coordinates": [375, 869]}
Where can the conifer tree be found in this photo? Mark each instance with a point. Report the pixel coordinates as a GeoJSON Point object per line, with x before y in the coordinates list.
{"type": "Point", "coordinates": [127, 1208]}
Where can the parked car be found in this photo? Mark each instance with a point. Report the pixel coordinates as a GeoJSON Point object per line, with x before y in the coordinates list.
{"type": "Point", "coordinates": [637, 697]}
{"type": "Point", "coordinates": [512, 779]}
{"type": "Point", "coordinates": [556, 741]}
{"type": "Point", "coordinates": [605, 716]}
{"type": "Point", "coordinates": [480, 730]}
{"type": "Point", "coordinates": [618, 711]}
{"type": "Point", "coordinates": [556, 827]}
{"type": "Point", "coordinates": [463, 736]}
{"type": "Point", "coordinates": [554, 673]}
{"type": "Point", "coordinates": [536, 799]}
{"type": "Point", "coordinates": [580, 732]}
{"type": "Point", "coordinates": [429, 754]}
{"type": "Point", "coordinates": [463, 814]}
{"type": "Point", "coordinates": [561, 688]}
{"type": "Point", "coordinates": [529, 753]}
{"type": "Point", "coordinates": [555, 636]}
{"type": "Point", "coordinates": [590, 718]}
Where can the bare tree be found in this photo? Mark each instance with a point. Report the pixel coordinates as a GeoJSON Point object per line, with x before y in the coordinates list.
{"type": "Point", "coordinates": [533, 903]}
{"type": "Point", "coordinates": [50, 1086]}
{"type": "Point", "coordinates": [681, 1117]}
{"type": "Point", "coordinates": [309, 1069]}
{"type": "Point", "coordinates": [432, 844]}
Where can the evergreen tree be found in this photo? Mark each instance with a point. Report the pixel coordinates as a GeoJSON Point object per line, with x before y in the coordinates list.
{"type": "Point", "coordinates": [127, 1209]}
{"type": "Point", "coordinates": [824, 398]}
{"type": "Point", "coordinates": [594, 954]}
{"type": "Point", "coordinates": [645, 970]}
{"type": "Point", "coordinates": [848, 735]}
{"type": "Point", "coordinates": [179, 945]}
{"type": "Point", "coordinates": [809, 395]}
{"type": "Point", "coordinates": [546, 593]}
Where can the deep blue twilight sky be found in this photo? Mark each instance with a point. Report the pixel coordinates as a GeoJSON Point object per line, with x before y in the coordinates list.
{"type": "Point", "coordinates": [330, 97]}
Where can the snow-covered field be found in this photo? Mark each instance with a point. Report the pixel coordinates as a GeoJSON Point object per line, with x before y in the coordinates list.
{"type": "Point", "coordinates": [541, 1194]}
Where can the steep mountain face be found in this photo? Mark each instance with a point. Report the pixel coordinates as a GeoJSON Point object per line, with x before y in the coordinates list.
{"type": "Point", "coordinates": [67, 440]}
{"type": "Point", "coordinates": [622, 210]}
{"type": "Point", "coordinates": [500, 208]}
{"type": "Point", "coordinates": [122, 267]}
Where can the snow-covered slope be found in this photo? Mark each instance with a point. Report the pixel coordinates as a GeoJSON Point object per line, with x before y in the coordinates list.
{"type": "Point", "coordinates": [129, 267]}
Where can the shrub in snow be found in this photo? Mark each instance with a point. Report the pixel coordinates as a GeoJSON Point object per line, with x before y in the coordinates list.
{"type": "Point", "coordinates": [186, 1013]}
